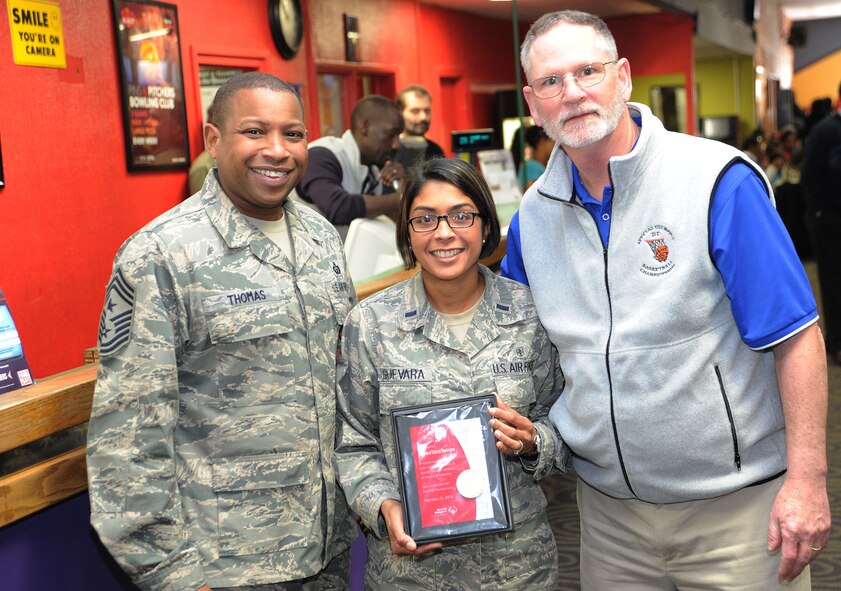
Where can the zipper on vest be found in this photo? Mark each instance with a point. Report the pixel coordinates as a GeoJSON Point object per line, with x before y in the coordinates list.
{"type": "Point", "coordinates": [607, 346]}
{"type": "Point", "coordinates": [610, 380]}
{"type": "Point", "coordinates": [736, 457]}
{"type": "Point", "coordinates": [573, 202]}
{"type": "Point", "coordinates": [607, 357]}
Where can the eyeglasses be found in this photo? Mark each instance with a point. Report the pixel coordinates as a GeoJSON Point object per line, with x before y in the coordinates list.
{"type": "Point", "coordinates": [551, 86]}
{"type": "Point", "coordinates": [456, 220]}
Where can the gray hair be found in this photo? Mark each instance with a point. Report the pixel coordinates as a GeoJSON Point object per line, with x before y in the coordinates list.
{"type": "Point", "coordinates": [570, 17]}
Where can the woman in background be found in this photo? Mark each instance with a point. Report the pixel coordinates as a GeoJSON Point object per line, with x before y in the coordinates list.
{"type": "Point", "coordinates": [536, 155]}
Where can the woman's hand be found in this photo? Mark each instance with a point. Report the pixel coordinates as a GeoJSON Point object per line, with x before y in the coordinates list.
{"type": "Point", "coordinates": [515, 434]}
{"type": "Point", "coordinates": [401, 542]}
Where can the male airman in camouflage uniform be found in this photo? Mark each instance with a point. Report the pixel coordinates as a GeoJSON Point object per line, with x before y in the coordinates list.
{"type": "Point", "coordinates": [397, 351]}
{"type": "Point", "coordinates": [210, 452]}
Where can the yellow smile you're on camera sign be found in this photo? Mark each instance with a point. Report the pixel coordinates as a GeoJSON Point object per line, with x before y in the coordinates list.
{"type": "Point", "coordinates": [37, 36]}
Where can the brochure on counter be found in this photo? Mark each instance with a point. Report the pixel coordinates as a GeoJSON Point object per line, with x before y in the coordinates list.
{"type": "Point", "coordinates": [497, 167]}
{"type": "Point", "coordinates": [14, 370]}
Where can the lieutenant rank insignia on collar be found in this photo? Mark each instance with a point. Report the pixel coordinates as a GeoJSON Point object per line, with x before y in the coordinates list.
{"type": "Point", "coordinates": [115, 322]}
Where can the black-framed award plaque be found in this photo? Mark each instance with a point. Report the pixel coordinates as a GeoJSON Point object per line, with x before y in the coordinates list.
{"type": "Point", "coordinates": [452, 477]}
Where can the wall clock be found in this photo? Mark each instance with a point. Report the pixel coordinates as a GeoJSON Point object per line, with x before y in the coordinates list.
{"type": "Point", "coordinates": [287, 25]}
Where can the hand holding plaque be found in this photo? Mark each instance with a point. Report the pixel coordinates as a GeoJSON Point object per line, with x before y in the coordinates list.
{"type": "Point", "coordinates": [452, 480]}
{"type": "Point", "coordinates": [401, 542]}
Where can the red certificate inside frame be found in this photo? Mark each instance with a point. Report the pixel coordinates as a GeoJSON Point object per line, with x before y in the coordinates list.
{"type": "Point", "coordinates": [452, 478]}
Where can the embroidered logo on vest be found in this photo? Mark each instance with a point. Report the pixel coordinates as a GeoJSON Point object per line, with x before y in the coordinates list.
{"type": "Point", "coordinates": [655, 239]}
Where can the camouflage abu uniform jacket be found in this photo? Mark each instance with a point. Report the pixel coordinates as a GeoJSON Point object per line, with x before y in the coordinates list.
{"type": "Point", "coordinates": [506, 351]}
{"type": "Point", "coordinates": [211, 440]}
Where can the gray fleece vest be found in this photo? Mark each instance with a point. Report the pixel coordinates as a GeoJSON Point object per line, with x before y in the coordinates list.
{"type": "Point", "coordinates": [664, 401]}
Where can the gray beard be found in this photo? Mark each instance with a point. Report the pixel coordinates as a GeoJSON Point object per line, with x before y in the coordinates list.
{"type": "Point", "coordinates": [590, 133]}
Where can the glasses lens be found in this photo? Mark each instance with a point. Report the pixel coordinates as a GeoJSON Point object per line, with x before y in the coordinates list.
{"type": "Point", "coordinates": [590, 75]}
{"type": "Point", "coordinates": [460, 219]}
{"type": "Point", "coordinates": [429, 222]}
{"type": "Point", "coordinates": [548, 87]}
{"type": "Point", "coordinates": [424, 223]}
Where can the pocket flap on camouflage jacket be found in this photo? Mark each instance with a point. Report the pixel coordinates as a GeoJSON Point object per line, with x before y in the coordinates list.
{"type": "Point", "coordinates": [233, 325]}
{"type": "Point", "coordinates": [263, 471]}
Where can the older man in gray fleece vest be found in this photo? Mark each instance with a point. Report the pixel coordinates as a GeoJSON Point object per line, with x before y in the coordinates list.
{"type": "Point", "coordinates": [695, 404]}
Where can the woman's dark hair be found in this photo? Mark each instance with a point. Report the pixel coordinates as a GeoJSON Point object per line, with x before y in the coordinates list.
{"type": "Point", "coordinates": [533, 134]}
{"type": "Point", "coordinates": [462, 176]}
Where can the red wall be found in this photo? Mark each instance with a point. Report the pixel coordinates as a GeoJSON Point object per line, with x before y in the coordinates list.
{"type": "Point", "coordinates": [658, 44]}
{"type": "Point", "coordinates": [420, 44]}
{"type": "Point", "coordinates": [480, 52]}
{"type": "Point", "coordinates": [69, 203]}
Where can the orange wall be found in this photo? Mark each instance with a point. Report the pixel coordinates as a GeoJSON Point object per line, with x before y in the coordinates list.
{"type": "Point", "coordinates": [69, 202]}
{"type": "Point", "coordinates": [396, 49]}
{"type": "Point", "coordinates": [817, 81]}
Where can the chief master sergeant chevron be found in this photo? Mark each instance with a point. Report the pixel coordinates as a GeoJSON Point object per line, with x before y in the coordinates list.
{"type": "Point", "coordinates": [210, 451]}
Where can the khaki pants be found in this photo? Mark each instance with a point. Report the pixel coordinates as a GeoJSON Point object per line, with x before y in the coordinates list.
{"type": "Point", "coordinates": [706, 545]}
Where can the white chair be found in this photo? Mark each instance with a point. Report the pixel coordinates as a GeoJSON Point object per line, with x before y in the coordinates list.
{"type": "Point", "coordinates": [371, 248]}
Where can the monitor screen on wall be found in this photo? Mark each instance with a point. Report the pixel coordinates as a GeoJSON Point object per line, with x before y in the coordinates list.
{"type": "Point", "coordinates": [724, 129]}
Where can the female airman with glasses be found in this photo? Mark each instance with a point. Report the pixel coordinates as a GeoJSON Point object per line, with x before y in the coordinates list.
{"type": "Point", "coordinates": [454, 330]}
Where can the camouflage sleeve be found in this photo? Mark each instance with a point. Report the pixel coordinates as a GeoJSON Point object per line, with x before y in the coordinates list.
{"type": "Point", "coordinates": [351, 286]}
{"type": "Point", "coordinates": [548, 385]}
{"type": "Point", "coordinates": [361, 465]}
{"type": "Point", "coordinates": [135, 506]}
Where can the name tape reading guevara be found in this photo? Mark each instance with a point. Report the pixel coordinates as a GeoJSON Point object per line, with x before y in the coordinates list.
{"type": "Point", "coordinates": [37, 35]}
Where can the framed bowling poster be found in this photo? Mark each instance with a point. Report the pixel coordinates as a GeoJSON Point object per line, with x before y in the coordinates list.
{"type": "Point", "coordinates": [154, 112]}
{"type": "Point", "coordinates": [452, 477]}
